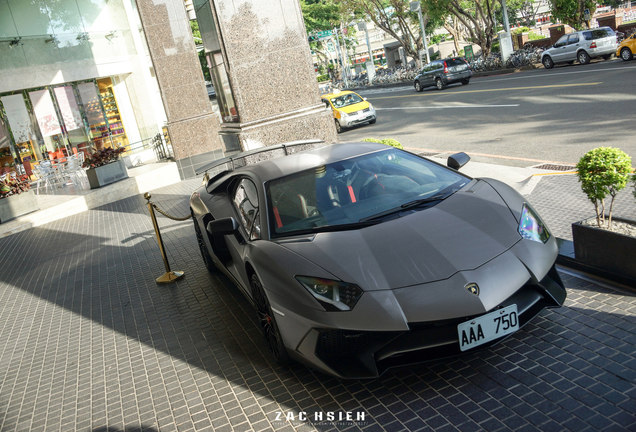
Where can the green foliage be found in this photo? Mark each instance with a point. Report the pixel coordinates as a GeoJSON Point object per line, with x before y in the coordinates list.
{"type": "Point", "coordinates": [387, 141]}
{"type": "Point", "coordinates": [603, 171]}
{"type": "Point", "coordinates": [196, 34]}
{"type": "Point", "coordinates": [519, 30]}
{"type": "Point", "coordinates": [534, 36]}
{"type": "Point", "coordinates": [323, 77]}
{"type": "Point", "coordinates": [570, 12]}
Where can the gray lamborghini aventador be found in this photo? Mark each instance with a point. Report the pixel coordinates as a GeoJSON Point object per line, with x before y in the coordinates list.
{"type": "Point", "coordinates": [360, 257]}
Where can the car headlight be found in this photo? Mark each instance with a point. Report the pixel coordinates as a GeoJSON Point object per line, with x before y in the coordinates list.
{"type": "Point", "coordinates": [344, 114]}
{"type": "Point", "coordinates": [531, 226]}
{"type": "Point", "coordinates": [332, 294]}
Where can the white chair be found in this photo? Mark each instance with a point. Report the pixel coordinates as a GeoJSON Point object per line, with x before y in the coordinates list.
{"type": "Point", "coordinates": [46, 173]}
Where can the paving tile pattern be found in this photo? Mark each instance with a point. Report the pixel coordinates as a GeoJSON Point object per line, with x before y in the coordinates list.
{"type": "Point", "coordinates": [91, 343]}
{"type": "Point", "coordinates": [560, 202]}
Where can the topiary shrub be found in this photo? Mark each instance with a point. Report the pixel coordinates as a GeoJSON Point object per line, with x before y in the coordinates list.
{"type": "Point", "coordinates": [603, 171]}
{"type": "Point", "coordinates": [387, 141]}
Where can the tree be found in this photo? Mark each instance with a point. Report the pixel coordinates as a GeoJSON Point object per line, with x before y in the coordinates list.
{"type": "Point", "coordinates": [572, 12]}
{"type": "Point", "coordinates": [396, 19]}
{"type": "Point", "coordinates": [196, 34]}
{"type": "Point", "coordinates": [477, 17]}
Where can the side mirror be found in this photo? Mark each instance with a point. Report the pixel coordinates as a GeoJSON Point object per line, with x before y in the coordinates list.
{"type": "Point", "coordinates": [457, 160]}
{"type": "Point", "coordinates": [222, 226]}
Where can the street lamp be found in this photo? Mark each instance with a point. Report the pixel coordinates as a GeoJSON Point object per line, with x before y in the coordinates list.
{"type": "Point", "coordinates": [416, 7]}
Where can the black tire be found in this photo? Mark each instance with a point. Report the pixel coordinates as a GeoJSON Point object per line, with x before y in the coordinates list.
{"type": "Point", "coordinates": [439, 84]}
{"type": "Point", "coordinates": [607, 57]}
{"type": "Point", "coordinates": [418, 86]}
{"type": "Point", "coordinates": [547, 62]}
{"type": "Point", "coordinates": [338, 127]}
{"type": "Point", "coordinates": [583, 57]}
{"type": "Point", "coordinates": [465, 81]}
{"type": "Point", "coordinates": [205, 254]}
{"type": "Point", "coordinates": [372, 121]}
{"type": "Point", "coordinates": [626, 54]}
{"type": "Point", "coordinates": [267, 322]}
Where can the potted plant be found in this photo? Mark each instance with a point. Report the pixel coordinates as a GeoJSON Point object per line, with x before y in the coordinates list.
{"type": "Point", "coordinates": [105, 167]}
{"type": "Point", "coordinates": [604, 242]}
{"type": "Point", "coordinates": [16, 198]}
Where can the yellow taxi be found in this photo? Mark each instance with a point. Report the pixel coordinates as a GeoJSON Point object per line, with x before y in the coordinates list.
{"type": "Point", "coordinates": [349, 109]}
{"type": "Point", "coordinates": [627, 48]}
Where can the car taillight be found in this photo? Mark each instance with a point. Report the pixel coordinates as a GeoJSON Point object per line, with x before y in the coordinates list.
{"type": "Point", "coordinates": [593, 45]}
{"type": "Point", "coordinates": [445, 68]}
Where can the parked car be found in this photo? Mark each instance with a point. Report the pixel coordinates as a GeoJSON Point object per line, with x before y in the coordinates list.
{"type": "Point", "coordinates": [349, 109]}
{"type": "Point", "coordinates": [627, 48]}
{"type": "Point", "coordinates": [441, 73]}
{"type": "Point", "coordinates": [581, 46]}
{"type": "Point", "coordinates": [360, 257]}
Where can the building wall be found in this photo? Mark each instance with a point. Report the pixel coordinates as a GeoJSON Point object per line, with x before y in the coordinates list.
{"type": "Point", "coordinates": [271, 72]}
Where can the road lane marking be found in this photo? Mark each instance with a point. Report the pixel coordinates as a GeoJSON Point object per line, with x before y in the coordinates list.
{"type": "Point", "coordinates": [497, 90]}
{"type": "Point", "coordinates": [547, 74]}
{"type": "Point", "coordinates": [448, 107]}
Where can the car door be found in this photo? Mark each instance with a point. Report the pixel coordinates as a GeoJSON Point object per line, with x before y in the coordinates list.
{"type": "Point", "coordinates": [558, 49]}
{"type": "Point", "coordinates": [429, 70]}
{"type": "Point", "coordinates": [244, 197]}
{"type": "Point", "coordinates": [572, 47]}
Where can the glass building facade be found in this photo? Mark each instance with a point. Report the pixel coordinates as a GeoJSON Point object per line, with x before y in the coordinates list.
{"type": "Point", "coordinates": [75, 75]}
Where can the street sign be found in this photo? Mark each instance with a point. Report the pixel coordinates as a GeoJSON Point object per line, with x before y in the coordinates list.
{"type": "Point", "coordinates": [323, 34]}
{"type": "Point", "coordinates": [468, 52]}
{"type": "Point", "coordinates": [586, 14]}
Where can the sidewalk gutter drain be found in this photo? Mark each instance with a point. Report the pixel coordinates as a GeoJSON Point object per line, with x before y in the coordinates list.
{"type": "Point", "coordinates": [552, 167]}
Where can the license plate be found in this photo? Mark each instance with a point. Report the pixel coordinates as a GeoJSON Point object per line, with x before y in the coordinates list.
{"type": "Point", "coordinates": [488, 327]}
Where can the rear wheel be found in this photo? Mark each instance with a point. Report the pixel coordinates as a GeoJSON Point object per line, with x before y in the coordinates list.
{"type": "Point", "coordinates": [465, 81]}
{"type": "Point", "coordinates": [205, 254]}
{"type": "Point", "coordinates": [583, 57]}
{"type": "Point", "coordinates": [267, 322]}
{"type": "Point", "coordinates": [418, 86]}
{"type": "Point", "coordinates": [439, 84]}
{"type": "Point", "coordinates": [607, 57]}
{"type": "Point", "coordinates": [547, 62]}
{"type": "Point", "coordinates": [626, 54]}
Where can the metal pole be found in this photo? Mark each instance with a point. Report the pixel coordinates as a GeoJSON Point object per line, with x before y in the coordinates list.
{"type": "Point", "coordinates": [505, 16]}
{"type": "Point", "coordinates": [168, 276]}
{"type": "Point", "coordinates": [417, 5]}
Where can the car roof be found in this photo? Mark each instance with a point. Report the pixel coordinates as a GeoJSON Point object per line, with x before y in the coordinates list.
{"type": "Point", "coordinates": [285, 165]}
{"type": "Point", "coordinates": [340, 93]}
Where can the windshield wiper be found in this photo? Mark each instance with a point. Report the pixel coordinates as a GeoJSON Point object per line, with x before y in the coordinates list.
{"type": "Point", "coordinates": [405, 206]}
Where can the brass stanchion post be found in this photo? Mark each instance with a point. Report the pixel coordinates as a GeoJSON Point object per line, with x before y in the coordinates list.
{"type": "Point", "coordinates": [168, 276]}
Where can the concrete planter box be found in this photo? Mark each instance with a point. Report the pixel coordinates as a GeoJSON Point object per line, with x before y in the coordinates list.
{"type": "Point", "coordinates": [605, 250]}
{"type": "Point", "coordinates": [106, 174]}
{"type": "Point", "coordinates": [17, 205]}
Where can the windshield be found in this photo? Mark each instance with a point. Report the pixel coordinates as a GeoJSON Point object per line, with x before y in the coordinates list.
{"type": "Point", "coordinates": [346, 100]}
{"type": "Point", "coordinates": [357, 191]}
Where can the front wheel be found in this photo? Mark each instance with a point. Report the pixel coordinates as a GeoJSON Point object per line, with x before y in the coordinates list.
{"type": "Point", "coordinates": [418, 86]}
{"type": "Point", "coordinates": [583, 57]}
{"type": "Point", "coordinates": [267, 322]}
{"type": "Point", "coordinates": [372, 121]}
{"type": "Point", "coordinates": [338, 127]}
{"type": "Point", "coordinates": [439, 84]}
{"type": "Point", "coordinates": [626, 54]}
{"type": "Point", "coordinates": [547, 62]}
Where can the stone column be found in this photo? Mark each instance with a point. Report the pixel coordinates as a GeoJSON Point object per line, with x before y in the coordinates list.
{"type": "Point", "coordinates": [271, 73]}
{"type": "Point", "coordinates": [192, 125]}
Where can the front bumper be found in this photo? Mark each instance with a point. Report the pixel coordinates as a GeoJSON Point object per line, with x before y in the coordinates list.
{"type": "Point", "coordinates": [368, 354]}
{"type": "Point", "coordinates": [360, 117]}
{"type": "Point", "coordinates": [417, 323]}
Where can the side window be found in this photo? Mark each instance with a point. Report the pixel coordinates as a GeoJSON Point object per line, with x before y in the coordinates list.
{"type": "Point", "coordinates": [574, 38]}
{"type": "Point", "coordinates": [587, 35]}
{"type": "Point", "coordinates": [561, 42]}
{"type": "Point", "coordinates": [246, 204]}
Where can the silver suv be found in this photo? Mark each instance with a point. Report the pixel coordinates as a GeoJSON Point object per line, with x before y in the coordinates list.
{"type": "Point", "coordinates": [581, 46]}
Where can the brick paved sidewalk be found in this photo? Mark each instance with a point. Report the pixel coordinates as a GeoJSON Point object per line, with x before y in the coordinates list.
{"type": "Point", "coordinates": [560, 202]}
{"type": "Point", "coordinates": [91, 343]}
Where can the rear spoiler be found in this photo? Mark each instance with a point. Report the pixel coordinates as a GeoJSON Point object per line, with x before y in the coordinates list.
{"type": "Point", "coordinates": [238, 160]}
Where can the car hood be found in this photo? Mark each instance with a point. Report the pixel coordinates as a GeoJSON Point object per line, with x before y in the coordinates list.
{"type": "Point", "coordinates": [354, 107]}
{"type": "Point", "coordinates": [462, 232]}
